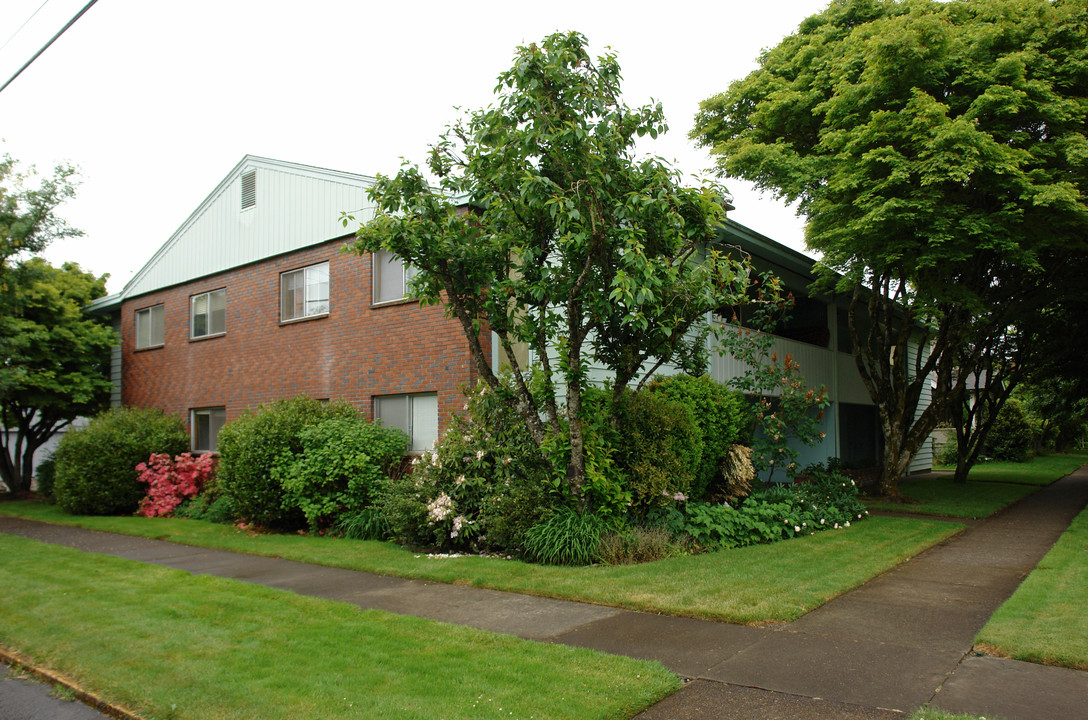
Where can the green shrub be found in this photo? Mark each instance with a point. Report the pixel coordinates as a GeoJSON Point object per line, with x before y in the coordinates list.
{"type": "Point", "coordinates": [252, 444]}
{"type": "Point", "coordinates": [341, 468]}
{"type": "Point", "coordinates": [566, 537]}
{"type": "Point", "coordinates": [948, 454]}
{"type": "Point", "coordinates": [608, 490]}
{"type": "Point", "coordinates": [659, 446]}
{"type": "Point", "coordinates": [828, 500]}
{"type": "Point", "coordinates": [1010, 437]}
{"type": "Point", "coordinates": [45, 474]}
{"type": "Point", "coordinates": [207, 507]}
{"type": "Point", "coordinates": [722, 417]}
{"type": "Point", "coordinates": [482, 486]}
{"type": "Point", "coordinates": [96, 464]}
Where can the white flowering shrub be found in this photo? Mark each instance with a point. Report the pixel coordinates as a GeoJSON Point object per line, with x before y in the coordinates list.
{"type": "Point", "coordinates": [478, 488]}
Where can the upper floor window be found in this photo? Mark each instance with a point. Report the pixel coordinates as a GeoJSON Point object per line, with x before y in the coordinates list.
{"type": "Point", "coordinates": [206, 423]}
{"type": "Point", "coordinates": [149, 327]}
{"type": "Point", "coordinates": [305, 292]}
{"type": "Point", "coordinates": [208, 314]}
{"type": "Point", "coordinates": [391, 276]}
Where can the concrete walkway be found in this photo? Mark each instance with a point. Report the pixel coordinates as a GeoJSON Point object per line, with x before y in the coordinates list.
{"type": "Point", "coordinates": [898, 642]}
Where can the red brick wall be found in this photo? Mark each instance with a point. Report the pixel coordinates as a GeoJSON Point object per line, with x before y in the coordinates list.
{"type": "Point", "coordinates": [354, 353]}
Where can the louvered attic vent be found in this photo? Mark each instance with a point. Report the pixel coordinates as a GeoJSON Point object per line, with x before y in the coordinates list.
{"type": "Point", "coordinates": [249, 189]}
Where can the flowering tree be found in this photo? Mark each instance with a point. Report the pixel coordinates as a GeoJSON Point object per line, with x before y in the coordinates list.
{"type": "Point", "coordinates": [549, 232]}
{"type": "Point", "coordinates": [786, 409]}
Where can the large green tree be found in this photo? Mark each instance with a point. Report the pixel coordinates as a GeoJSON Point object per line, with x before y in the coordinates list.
{"type": "Point", "coordinates": [549, 231]}
{"type": "Point", "coordinates": [56, 363]}
{"type": "Point", "coordinates": [938, 151]}
{"type": "Point", "coordinates": [28, 310]}
{"type": "Point", "coordinates": [28, 218]}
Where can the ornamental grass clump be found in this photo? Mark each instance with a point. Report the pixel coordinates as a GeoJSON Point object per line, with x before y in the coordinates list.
{"type": "Point", "coordinates": [566, 537]}
{"type": "Point", "coordinates": [637, 544]}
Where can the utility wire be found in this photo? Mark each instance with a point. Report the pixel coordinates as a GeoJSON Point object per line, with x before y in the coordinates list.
{"type": "Point", "coordinates": [24, 24]}
{"type": "Point", "coordinates": [46, 46]}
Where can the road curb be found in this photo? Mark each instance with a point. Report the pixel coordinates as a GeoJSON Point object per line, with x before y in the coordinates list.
{"type": "Point", "coordinates": [19, 661]}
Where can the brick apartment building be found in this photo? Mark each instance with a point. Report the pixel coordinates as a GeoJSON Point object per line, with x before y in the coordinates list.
{"type": "Point", "coordinates": [252, 299]}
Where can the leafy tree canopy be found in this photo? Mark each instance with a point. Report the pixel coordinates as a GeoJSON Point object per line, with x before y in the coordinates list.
{"type": "Point", "coordinates": [547, 230]}
{"type": "Point", "coordinates": [916, 135]}
{"type": "Point", "coordinates": [939, 152]}
{"type": "Point", "coordinates": [56, 360]}
{"type": "Point", "coordinates": [28, 222]}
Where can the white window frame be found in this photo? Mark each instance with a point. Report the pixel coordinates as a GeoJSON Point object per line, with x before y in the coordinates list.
{"type": "Point", "coordinates": [313, 305]}
{"type": "Point", "coordinates": [208, 330]}
{"type": "Point", "coordinates": [214, 414]}
{"type": "Point", "coordinates": [148, 316]}
{"type": "Point", "coordinates": [422, 431]}
{"type": "Point", "coordinates": [388, 268]}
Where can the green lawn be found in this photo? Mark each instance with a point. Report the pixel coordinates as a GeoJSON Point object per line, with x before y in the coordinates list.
{"type": "Point", "coordinates": [1045, 620]}
{"type": "Point", "coordinates": [168, 644]}
{"type": "Point", "coordinates": [759, 584]}
{"type": "Point", "coordinates": [938, 495]}
{"type": "Point", "coordinates": [1042, 470]}
{"type": "Point", "coordinates": [989, 488]}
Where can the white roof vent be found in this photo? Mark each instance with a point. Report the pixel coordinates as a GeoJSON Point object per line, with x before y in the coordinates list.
{"type": "Point", "coordinates": [249, 189]}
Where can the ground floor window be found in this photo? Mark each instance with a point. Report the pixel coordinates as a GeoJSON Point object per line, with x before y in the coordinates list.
{"type": "Point", "coordinates": [205, 423]}
{"type": "Point", "coordinates": [415, 414]}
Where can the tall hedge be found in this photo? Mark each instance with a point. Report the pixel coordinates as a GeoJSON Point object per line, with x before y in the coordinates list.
{"type": "Point", "coordinates": [1010, 437]}
{"type": "Point", "coordinates": [659, 447]}
{"type": "Point", "coordinates": [722, 418]}
{"type": "Point", "coordinates": [95, 466]}
{"type": "Point", "coordinates": [251, 446]}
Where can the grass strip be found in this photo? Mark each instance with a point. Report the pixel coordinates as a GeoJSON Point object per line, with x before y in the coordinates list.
{"type": "Point", "coordinates": [1044, 621]}
{"type": "Point", "coordinates": [990, 487]}
{"type": "Point", "coordinates": [754, 585]}
{"type": "Point", "coordinates": [1042, 470]}
{"type": "Point", "coordinates": [938, 495]}
{"type": "Point", "coordinates": [928, 713]}
{"type": "Point", "coordinates": [168, 644]}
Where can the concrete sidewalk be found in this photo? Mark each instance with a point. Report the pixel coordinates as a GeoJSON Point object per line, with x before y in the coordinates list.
{"type": "Point", "coordinates": [898, 642]}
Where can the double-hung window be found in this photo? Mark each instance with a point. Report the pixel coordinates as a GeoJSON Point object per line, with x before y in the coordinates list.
{"type": "Point", "coordinates": [208, 314]}
{"type": "Point", "coordinates": [149, 327]}
{"type": "Point", "coordinates": [206, 423]}
{"type": "Point", "coordinates": [304, 292]}
{"type": "Point", "coordinates": [416, 415]}
{"type": "Point", "coordinates": [391, 276]}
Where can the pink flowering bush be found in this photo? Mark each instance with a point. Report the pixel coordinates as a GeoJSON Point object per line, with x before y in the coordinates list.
{"type": "Point", "coordinates": [170, 482]}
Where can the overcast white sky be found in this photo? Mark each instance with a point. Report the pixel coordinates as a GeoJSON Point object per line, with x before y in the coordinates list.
{"type": "Point", "coordinates": [156, 101]}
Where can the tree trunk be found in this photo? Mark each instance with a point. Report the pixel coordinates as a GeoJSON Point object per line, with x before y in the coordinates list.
{"type": "Point", "coordinates": [963, 465]}
{"type": "Point", "coordinates": [17, 463]}
{"type": "Point", "coordinates": [897, 457]}
{"type": "Point", "coordinates": [576, 470]}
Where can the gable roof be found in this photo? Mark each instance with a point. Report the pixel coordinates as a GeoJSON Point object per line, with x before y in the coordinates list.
{"type": "Point", "coordinates": [291, 206]}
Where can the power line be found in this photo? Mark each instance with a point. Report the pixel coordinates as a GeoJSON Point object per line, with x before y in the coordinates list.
{"type": "Point", "coordinates": [46, 46]}
{"type": "Point", "coordinates": [24, 24]}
